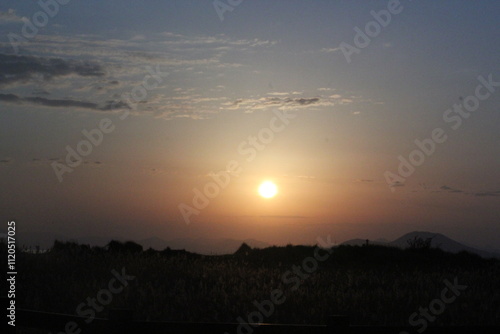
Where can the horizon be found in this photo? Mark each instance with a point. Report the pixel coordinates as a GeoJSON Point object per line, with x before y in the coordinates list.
{"type": "Point", "coordinates": [280, 122]}
{"type": "Point", "coordinates": [221, 246]}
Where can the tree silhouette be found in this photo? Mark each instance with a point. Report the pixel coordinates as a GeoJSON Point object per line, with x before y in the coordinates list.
{"type": "Point", "coordinates": [127, 247]}
{"type": "Point", "coordinates": [419, 243]}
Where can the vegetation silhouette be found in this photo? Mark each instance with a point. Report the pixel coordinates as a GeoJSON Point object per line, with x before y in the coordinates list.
{"type": "Point", "coordinates": [373, 285]}
{"type": "Point", "coordinates": [126, 247]}
{"type": "Point", "coordinates": [419, 243]}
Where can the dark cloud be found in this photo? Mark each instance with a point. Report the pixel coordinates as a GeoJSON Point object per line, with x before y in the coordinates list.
{"type": "Point", "coordinates": [9, 98]}
{"type": "Point", "coordinates": [477, 194]}
{"type": "Point", "coordinates": [48, 161]}
{"type": "Point", "coordinates": [488, 194]}
{"type": "Point", "coordinates": [397, 184]}
{"type": "Point", "coordinates": [16, 69]}
{"type": "Point", "coordinates": [450, 190]}
{"type": "Point", "coordinates": [305, 102]}
{"type": "Point", "coordinates": [63, 103]}
{"type": "Point", "coordinates": [93, 163]}
{"type": "Point", "coordinates": [114, 105]}
{"type": "Point", "coordinates": [237, 102]}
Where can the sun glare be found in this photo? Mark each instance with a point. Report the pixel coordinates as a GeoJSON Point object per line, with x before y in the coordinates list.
{"type": "Point", "coordinates": [268, 189]}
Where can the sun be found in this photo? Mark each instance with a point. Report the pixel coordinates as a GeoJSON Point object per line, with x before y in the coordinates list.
{"type": "Point", "coordinates": [268, 189]}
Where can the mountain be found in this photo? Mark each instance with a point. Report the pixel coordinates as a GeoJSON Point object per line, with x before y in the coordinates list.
{"type": "Point", "coordinates": [206, 246]}
{"type": "Point", "coordinates": [154, 242]}
{"type": "Point", "coordinates": [212, 246]}
{"type": "Point", "coordinates": [438, 240]}
{"type": "Point", "coordinates": [221, 246]}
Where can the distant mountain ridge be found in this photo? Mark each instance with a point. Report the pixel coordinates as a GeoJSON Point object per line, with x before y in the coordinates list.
{"type": "Point", "coordinates": [438, 240]}
{"type": "Point", "coordinates": [213, 246]}
{"type": "Point", "coordinates": [202, 245]}
{"type": "Point", "coordinates": [205, 246]}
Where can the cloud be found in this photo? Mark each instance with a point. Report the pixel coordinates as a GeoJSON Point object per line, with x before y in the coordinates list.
{"type": "Point", "coordinates": [447, 189]}
{"type": "Point", "coordinates": [364, 181]}
{"type": "Point", "coordinates": [301, 177]}
{"type": "Point", "coordinates": [274, 216]}
{"type": "Point", "coordinates": [488, 194]}
{"type": "Point", "coordinates": [278, 93]}
{"type": "Point", "coordinates": [93, 66]}
{"type": "Point", "coordinates": [10, 16]}
{"type": "Point", "coordinates": [44, 162]}
{"type": "Point", "coordinates": [282, 217]}
{"type": "Point", "coordinates": [330, 50]}
{"type": "Point", "coordinates": [220, 42]}
{"type": "Point", "coordinates": [397, 184]}
{"type": "Point", "coordinates": [95, 164]}
{"type": "Point", "coordinates": [274, 101]}
{"type": "Point", "coordinates": [206, 99]}
{"type": "Point", "coordinates": [450, 190]}
{"type": "Point", "coordinates": [16, 69]}
{"type": "Point", "coordinates": [114, 105]}
{"type": "Point", "coordinates": [40, 91]}
{"type": "Point", "coordinates": [285, 93]}
{"type": "Point", "coordinates": [305, 102]}
{"type": "Point", "coordinates": [179, 51]}
{"type": "Point", "coordinates": [279, 99]}
{"type": "Point", "coordinates": [63, 103]}
{"type": "Point", "coordinates": [39, 162]}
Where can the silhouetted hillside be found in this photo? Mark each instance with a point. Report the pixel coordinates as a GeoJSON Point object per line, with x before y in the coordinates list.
{"type": "Point", "coordinates": [373, 285]}
{"type": "Point", "coordinates": [437, 240]}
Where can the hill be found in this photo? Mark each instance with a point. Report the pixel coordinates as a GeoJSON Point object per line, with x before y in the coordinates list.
{"type": "Point", "coordinates": [438, 240]}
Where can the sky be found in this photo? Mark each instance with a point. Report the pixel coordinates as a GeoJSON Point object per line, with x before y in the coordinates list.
{"type": "Point", "coordinates": [128, 119]}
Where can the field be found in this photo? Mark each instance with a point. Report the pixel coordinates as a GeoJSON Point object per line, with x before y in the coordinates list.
{"type": "Point", "coordinates": [373, 285]}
